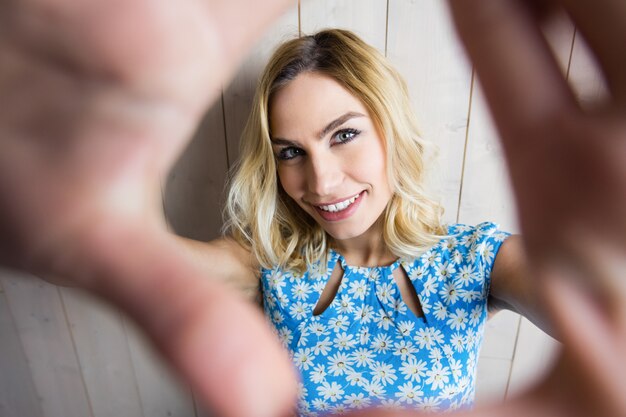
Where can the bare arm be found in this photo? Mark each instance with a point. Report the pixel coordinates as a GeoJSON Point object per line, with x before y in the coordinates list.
{"type": "Point", "coordinates": [513, 288]}
{"type": "Point", "coordinates": [226, 261]}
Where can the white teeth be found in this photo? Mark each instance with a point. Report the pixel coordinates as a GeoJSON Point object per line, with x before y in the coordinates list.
{"type": "Point", "coordinates": [339, 206]}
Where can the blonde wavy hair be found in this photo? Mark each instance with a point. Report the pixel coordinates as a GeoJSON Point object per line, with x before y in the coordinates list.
{"type": "Point", "coordinates": [263, 218]}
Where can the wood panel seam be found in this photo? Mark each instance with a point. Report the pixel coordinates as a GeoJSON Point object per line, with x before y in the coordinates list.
{"type": "Point", "coordinates": [467, 128]}
{"type": "Point", "coordinates": [225, 131]}
{"type": "Point", "coordinates": [386, 27]}
{"type": "Point", "coordinates": [80, 365]}
{"type": "Point", "coordinates": [508, 380]}
{"type": "Point", "coordinates": [571, 53]}
{"type": "Point", "coordinates": [132, 361]}
{"type": "Point", "coordinates": [299, 20]}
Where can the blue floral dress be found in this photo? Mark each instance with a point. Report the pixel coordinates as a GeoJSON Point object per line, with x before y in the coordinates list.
{"type": "Point", "coordinates": [367, 348]}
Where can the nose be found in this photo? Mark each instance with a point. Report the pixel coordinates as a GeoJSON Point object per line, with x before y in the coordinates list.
{"type": "Point", "coordinates": [324, 174]}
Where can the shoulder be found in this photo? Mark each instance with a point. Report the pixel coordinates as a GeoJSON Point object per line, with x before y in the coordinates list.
{"type": "Point", "coordinates": [224, 259]}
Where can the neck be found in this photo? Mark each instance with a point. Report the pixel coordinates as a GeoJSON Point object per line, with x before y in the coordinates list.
{"type": "Point", "coordinates": [367, 250]}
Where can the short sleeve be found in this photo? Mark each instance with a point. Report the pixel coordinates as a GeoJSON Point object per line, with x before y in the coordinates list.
{"type": "Point", "coordinates": [478, 247]}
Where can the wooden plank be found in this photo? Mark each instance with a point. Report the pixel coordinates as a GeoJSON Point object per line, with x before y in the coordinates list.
{"type": "Point", "coordinates": [491, 380]}
{"type": "Point", "coordinates": [102, 348]}
{"type": "Point", "coordinates": [18, 396]}
{"type": "Point", "coordinates": [487, 195]}
{"type": "Point", "coordinates": [423, 46]}
{"type": "Point", "coordinates": [501, 336]}
{"type": "Point", "coordinates": [585, 76]}
{"type": "Point", "coordinates": [194, 186]}
{"type": "Point", "coordinates": [366, 18]}
{"type": "Point", "coordinates": [162, 393]}
{"type": "Point", "coordinates": [44, 334]}
{"type": "Point", "coordinates": [534, 355]}
{"type": "Point", "coordinates": [239, 94]}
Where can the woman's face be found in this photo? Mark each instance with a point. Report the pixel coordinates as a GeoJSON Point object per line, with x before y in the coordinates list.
{"type": "Point", "coordinates": [331, 159]}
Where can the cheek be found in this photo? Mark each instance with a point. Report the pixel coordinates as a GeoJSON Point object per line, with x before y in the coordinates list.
{"type": "Point", "coordinates": [290, 181]}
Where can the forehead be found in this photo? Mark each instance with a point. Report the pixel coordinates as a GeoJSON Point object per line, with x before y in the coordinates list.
{"type": "Point", "coordinates": [308, 103]}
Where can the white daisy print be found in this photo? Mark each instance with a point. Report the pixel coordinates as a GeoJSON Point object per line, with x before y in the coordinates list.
{"type": "Point", "coordinates": [322, 346]}
{"type": "Point", "coordinates": [331, 392]}
{"type": "Point", "coordinates": [440, 310]}
{"type": "Point", "coordinates": [404, 349]}
{"type": "Point", "coordinates": [414, 369]}
{"type": "Point", "coordinates": [456, 369]}
{"type": "Point", "coordinates": [406, 328]}
{"type": "Point", "coordinates": [487, 253]}
{"type": "Point", "coordinates": [428, 337]}
{"type": "Point", "coordinates": [385, 292]}
{"type": "Point", "coordinates": [445, 270]}
{"type": "Point", "coordinates": [409, 393]}
{"type": "Point", "coordinates": [346, 305]}
{"type": "Point", "coordinates": [430, 285]}
{"type": "Point", "coordinates": [357, 401]}
{"type": "Point", "coordinates": [364, 313]}
{"type": "Point", "coordinates": [285, 335]}
{"type": "Point", "coordinates": [476, 315]}
{"type": "Point", "coordinates": [277, 317]}
{"type": "Point", "coordinates": [435, 355]}
{"type": "Point", "coordinates": [344, 341]}
{"type": "Point", "coordinates": [416, 274]}
{"type": "Point", "coordinates": [355, 378]}
{"type": "Point", "coordinates": [374, 389]}
{"type": "Point", "coordinates": [383, 373]}
{"type": "Point", "coordinates": [318, 329]}
{"type": "Point", "coordinates": [429, 404]}
{"type": "Point", "coordinates": [299, 310]}
{"type": "Point", "coordinates": [381, 343]}
{"type": "Point", "coordinates": [383, 320]}
{"type": "Point", "coordinates": [363, 357]}
{"type": "Point", "coordinates": [303, 358]}
{"type": "Point", "coordinates": [449, 292]}
{"type": "Point", "coordinates": [358, 289]}
{"type": "Point", "coordinates": [320, 404]}
{"type": "Point", "coordinates": [437, 376]}
{"type": "Point", "coordinates": [339, 364]}
{"type": "Point", "coordinates": [318, 374]}
{"type": "Point", "coordinates": [458, 342]}
{"type": "Point", "coordinates": [339, 323]}
{"type": "Point", "coordinates": [458, 319]}
{"type": "Point", "coordinates": [465, 275]}
{"type": "Point", "coordinates": [301, 290]}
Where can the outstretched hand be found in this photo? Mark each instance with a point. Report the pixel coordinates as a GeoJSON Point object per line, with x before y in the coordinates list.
{"type": "Point", "coordinates": [568, 169]}
{"type": "Point", "coordinates": [97, 99]}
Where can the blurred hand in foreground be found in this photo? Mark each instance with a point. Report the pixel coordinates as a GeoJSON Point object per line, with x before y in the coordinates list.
{"type": "Point", "coordinates": [98, 98]}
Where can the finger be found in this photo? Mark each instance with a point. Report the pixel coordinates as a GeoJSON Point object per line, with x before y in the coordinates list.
{"type": "Point", "coordinates": [603, 25]}
{"type": "Point", "coordinates": [218, 342]}
{"type": "Point", "coordinates": [519, 75]}
{"type": "Point", "coordinates": [597, 349]}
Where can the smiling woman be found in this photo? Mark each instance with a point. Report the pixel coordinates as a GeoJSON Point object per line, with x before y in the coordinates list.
{"type": "Point", "coordinates": [333, 118]}
{"type": "Point", "coordinates": [376, 299]}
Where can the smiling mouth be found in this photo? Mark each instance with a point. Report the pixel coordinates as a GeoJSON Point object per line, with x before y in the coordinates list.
{"type": "Point", "coordinates": [342, 205]}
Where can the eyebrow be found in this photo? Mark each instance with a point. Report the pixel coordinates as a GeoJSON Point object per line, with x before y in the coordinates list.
{"type": "Point", "coordinates": [330, 126]}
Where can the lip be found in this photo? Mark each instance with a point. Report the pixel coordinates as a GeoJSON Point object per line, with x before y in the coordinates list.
{"type": "Point", "coordinates": [343, 214]}
{"type": "Point", "coordinates": [336, 201]}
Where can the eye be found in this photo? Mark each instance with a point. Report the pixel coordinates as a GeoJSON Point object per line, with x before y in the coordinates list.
{"type": "Point", "coordinates": [346, 135]}
{"type": "Point", "coordinates": [288, 153]}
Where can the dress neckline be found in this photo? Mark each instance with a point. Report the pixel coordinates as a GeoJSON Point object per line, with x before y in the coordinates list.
{"type": "Point", "coordinates": [336, 256]}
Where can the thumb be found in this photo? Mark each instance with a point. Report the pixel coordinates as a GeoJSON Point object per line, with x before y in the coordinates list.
{"type": "Point", "coordinates": [219, 343]}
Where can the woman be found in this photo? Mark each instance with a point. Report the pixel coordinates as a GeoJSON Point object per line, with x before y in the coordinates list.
{"type": "Point", "coordinates": [377, 301]}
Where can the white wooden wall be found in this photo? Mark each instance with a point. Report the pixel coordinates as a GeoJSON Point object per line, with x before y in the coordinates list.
{"type": "Point", "coordinates": [63, 354]}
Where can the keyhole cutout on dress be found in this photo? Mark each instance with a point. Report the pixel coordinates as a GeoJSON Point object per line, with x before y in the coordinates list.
{"type": "Point", "coordinates": [330, 290]}
{"type": "Point", "coordinates": [406, 288]}
{"type": "Point", "coordinates": [407, 292]}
